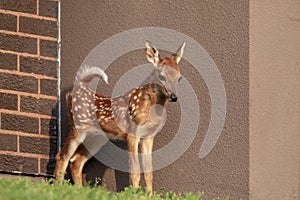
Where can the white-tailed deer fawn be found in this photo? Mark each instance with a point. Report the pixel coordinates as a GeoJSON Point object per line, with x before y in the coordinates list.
{"type": "Point", "coordinates": [135, 117]}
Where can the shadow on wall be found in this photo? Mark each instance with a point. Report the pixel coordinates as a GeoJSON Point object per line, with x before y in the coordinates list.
{"type": "Point", "coordinates": [94, 172]}
{"type": "Point", "coordinates": [94, 169]}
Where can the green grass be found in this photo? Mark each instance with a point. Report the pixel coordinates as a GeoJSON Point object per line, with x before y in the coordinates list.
{"type": "Point", "coordinates": [22, 188]}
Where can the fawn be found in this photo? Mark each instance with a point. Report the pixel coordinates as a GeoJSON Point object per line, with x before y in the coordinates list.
{"type": "Point", "coordinates": [135, 116]}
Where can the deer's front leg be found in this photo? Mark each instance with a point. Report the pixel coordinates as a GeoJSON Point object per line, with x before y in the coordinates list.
{"type": "Point", "coordinates": [147, 145]}
{"type": "Point", "coordinates": [133, 144]}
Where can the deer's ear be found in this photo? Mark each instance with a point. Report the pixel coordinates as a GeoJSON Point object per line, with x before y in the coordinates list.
{"type": "Point", "coordinates": [179, 53]}
{"type": "Point", "coordinates": [152, 54]}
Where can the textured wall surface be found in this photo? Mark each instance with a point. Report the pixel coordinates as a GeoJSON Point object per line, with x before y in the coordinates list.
{"type": "Point", "coordinates": [222, 29]}
{"type": "Point", "coordinates": [28, 85]}
{"type": "Point", "coordinates": [274, 100]}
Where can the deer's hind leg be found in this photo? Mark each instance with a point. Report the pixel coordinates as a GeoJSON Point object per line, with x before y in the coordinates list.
{"type": "Point", "coordinates": [91, 145]}
{"type": "Point", "coordinates": [63, 157]}
{"type": "Point", "coordinates": [77, 161]}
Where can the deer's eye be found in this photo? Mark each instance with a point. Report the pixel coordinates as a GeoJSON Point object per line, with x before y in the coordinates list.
{"type": "Point", "coordinates": [162, 78]}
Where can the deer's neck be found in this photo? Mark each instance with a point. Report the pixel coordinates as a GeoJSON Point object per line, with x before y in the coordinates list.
{"type": "Point", "coordinates": [157, 89]}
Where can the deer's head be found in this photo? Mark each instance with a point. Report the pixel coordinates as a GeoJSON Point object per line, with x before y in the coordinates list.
{"type": "Point", "coordinates": [166, 70]}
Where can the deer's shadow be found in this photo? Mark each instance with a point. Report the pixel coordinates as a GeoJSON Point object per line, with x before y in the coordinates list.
{"type": "Point", "coordinates": [97, 173]}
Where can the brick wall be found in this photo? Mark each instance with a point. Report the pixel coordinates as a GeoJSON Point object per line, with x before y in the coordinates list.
{"type": "Point", "coordinates": [28, 85]}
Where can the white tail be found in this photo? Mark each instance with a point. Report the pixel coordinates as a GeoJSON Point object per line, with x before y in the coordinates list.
{"type": "Point", "coordinates": [87, 73]}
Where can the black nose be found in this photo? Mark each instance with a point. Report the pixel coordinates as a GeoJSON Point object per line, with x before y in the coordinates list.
{"type": "Point", "coordinates": [173, 97]}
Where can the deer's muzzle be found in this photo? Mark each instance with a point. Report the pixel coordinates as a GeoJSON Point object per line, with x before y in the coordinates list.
{"type": "Point", "coordinates": [173, 97]}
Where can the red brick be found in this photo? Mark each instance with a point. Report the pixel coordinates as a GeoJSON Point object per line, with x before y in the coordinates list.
{"type": "Point", "coordinates": [48, 48]}
{"type": "Point", "coordinates": [8, 142]}
{"type": "Point", "coordinates": [34, 65]}
{"type": "Point", "coordinates": [18, 163]}
{"type": "Point", "coordinates": [19, 123]}
{"type": "Point", "coordinates": [18, 83]}
{"type": "Point", "coordinates": [38, 145]}
{"type": "Point", "coordinates": [40, 106]}
{"type": "Point", "coordinates": [47, 166]}
{"type": "Point", "coordinates": [8, 61]}
{"type": "Point", "coordinates": [48, 87]}
{"type": "Point", "coordinates": [38, 26]}
{"type": "Point", "coordinates": [48, 8]}
{"type": "Point", "coordinates": [27, 6]}
{"type": "Point", "coordinates": [8, 22]}
{"type": "Point", "coordinates": [49, 127]}
{"type": "Point", "coordinates": [18, 43]}
{"type": "Point", "coordinates": [9, 101]}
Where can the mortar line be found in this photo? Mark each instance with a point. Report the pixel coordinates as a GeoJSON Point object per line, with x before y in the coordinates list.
{"type": "Point", "coordinates": [28, 55]}
{"type": "Point", "coordinates": [37, 7]}
{"type": "Point", "coordinates": [26, 114]}
{"type": "Point", "coordinates": [28, 35]}
{"type": "Point", "coordinates": [40, 126]}
{"type": "Point", "coordinates": [38, 49]}
{"type": "Point", "coordinates": [27, 15]}
{"type": "Point", "coordinates": [18, 63]}
{"type": "Point", "coordinates": [22, 154]}
{"type": "Point", "coordinates": [18, 143]}
{"type": "Point", "coordinates": [19, 103]}
{"type": "Point", "coordinates": [39, 86]}
{"type": "Point", "coordinates": [38, 96]}
{"type": "Point", "coordinates": [18, 23]}
{"type": "Point", "coordinates": [39, 165]}
{"type": "Point", "coordinates": [37, 76]}
{"type": "Point", "coordinates": [11, 132]}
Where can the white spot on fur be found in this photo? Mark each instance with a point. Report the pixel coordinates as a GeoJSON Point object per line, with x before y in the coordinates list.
{"type": "Point", "coordinates": [73, 158]}
{"type": "Point", "coordinates": [84, 120]}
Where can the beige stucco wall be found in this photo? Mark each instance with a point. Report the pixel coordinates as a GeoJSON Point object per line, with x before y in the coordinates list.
{"type": "Point", "coordinates": [221, 27]}
{"type": "Point", "coordinates": [275, 99]}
